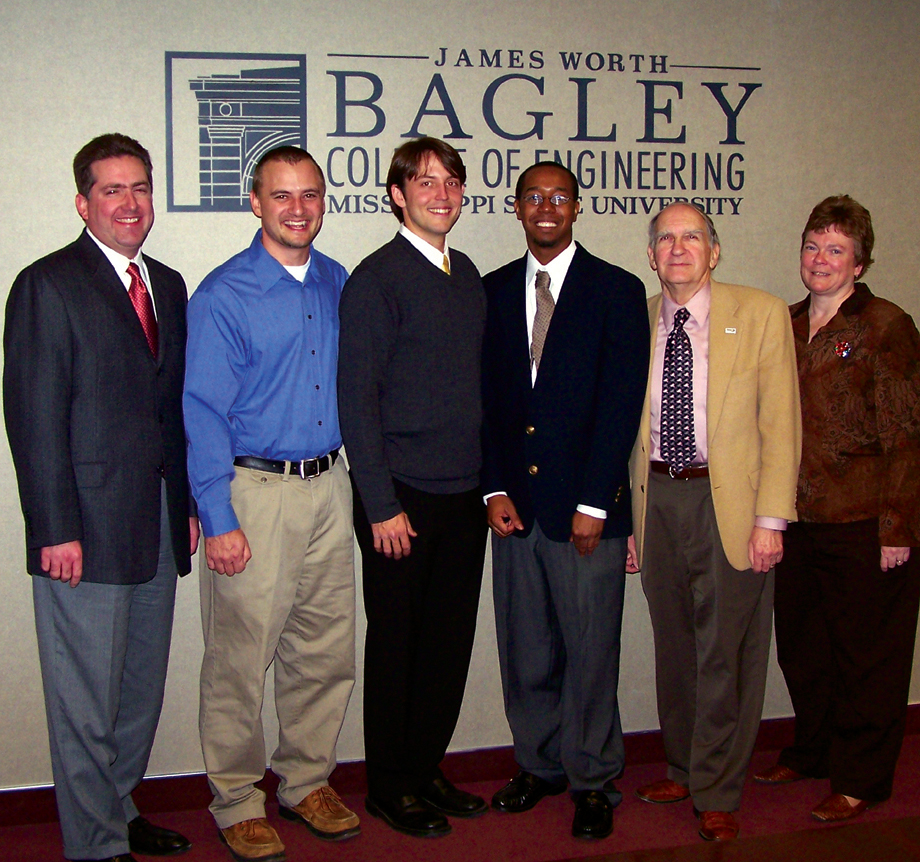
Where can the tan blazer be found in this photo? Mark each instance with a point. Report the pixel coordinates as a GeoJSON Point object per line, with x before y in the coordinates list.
{"type": "Point", "coordinates": [754, 423]}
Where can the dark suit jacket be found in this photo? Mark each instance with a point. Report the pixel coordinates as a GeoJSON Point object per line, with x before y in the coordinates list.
{"type": "Point", "coordinates": [94, 421]}
{"type": "Point", "coordinates": [566, 440]}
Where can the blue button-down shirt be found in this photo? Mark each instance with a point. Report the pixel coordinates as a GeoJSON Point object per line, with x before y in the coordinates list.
{"type": "Point", "coordinates": [261, 369]}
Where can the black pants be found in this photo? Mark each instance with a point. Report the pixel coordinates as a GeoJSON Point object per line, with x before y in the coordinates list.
{"type": "Point", "coordinates": [845, 642]}
{"type": "Point", "coordinates": [421, 622]}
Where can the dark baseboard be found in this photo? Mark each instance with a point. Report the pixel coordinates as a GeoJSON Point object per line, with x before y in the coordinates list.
{"type": "Point", "coordinates": [187, 792]}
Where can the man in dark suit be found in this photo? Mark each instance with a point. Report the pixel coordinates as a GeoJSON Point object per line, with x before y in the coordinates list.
{"type": "Point", "coordinates": [94, 363]}
{"type": "Point", "coordinates": [564, 371]}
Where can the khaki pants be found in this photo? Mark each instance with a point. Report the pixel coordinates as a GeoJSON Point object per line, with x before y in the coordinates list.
{"type": "Point", "coordinates": [294, 606]}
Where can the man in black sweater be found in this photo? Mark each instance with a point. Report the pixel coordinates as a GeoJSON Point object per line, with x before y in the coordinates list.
{"type": "Point", "coordinates": [412, 317]}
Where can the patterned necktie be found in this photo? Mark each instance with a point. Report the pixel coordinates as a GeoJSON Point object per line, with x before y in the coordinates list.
{"type": "Point", "coordinates": [545, 307]}
{"type": "Point", "coordinates": [445, 265]}
{"type": "Point", "coordinates": [143, 306]}
{"type": "Point", "coordinates": [678, 442]}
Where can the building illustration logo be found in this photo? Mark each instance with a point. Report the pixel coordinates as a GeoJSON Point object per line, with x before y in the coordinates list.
{"type": "Point", "coordinates": [223, 112]}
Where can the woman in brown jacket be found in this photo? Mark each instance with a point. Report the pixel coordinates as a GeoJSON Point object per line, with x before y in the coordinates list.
{"type": "Point", "coordinates": [848, 587]}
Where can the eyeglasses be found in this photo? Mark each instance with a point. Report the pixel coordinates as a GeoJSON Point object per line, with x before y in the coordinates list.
{"type": "Point", "coordinates": [556, 200]}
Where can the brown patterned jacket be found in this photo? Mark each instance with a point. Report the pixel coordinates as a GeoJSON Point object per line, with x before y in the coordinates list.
{"type": "Point", "coordinates": [859, 379]}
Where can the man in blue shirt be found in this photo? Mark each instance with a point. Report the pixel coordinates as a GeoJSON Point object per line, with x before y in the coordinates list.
{"type": "Point", "coordinates": [275, 507]}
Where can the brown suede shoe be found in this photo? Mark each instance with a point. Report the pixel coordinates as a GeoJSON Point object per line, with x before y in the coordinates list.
{"type": "Point", "coordinates": [325, 815]}
{"type": "Point", "coordinates": [664, 791]}
{"type": "Point", "coordinates": [253, 840]}
{"type": "Point", "coordinates": [718, 826]}
{"type": "Point", "coordinates": [836, 807]}
{"type": "Point", "coordinates": [778, 774]}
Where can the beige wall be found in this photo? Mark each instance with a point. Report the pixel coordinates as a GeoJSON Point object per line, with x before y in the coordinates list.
{"type": "Point", "coordinates": [837, 111]}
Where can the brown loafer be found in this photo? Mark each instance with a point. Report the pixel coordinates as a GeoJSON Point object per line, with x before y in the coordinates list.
{"type": "Point", "coordinates": [836, 807]}
{"type": "Point", "coordinates": [778, 774]}
{"type": "Point", "coordinates": [253, 841]}
{"type": "Point", "coordinates": [663, 792]}
{"type": "Point", "coordinates": [324, 814]}
{"type": "Point", "coordinates": [718, 826]}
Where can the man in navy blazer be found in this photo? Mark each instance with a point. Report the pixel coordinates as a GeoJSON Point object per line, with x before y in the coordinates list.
{"type": "Point", "coordinates": [92, 393]}
{"type": "Point", "coordinates": [564, 373]}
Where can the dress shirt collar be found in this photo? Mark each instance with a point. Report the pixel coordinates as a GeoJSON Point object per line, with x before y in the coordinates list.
{"type": "Point", "coordinates": [270, 271]}
{"type": "Point", "coordinates": [434, 255]}
{"type": "Point", "coordinates": [698, 306]}
{"type": "Point", "coordinates": [557, 268]}
{"type": "Point", "coordinates": [120, 263]}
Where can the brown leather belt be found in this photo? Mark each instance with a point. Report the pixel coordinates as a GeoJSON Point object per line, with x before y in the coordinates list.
{"type": "Point", "coordinates": [692, 472]}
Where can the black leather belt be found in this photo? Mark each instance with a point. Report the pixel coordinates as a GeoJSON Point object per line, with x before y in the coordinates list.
{"type": "Point", "coordinates": [305, 469]}
{"type": "Point", "coordinates": [693, 472]}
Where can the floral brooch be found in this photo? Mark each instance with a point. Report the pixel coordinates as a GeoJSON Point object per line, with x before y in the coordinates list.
{"type": "Point", "coordinates": [842, 349]}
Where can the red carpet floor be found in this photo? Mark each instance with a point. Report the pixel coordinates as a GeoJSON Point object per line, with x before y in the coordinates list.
{"type": "Point", "coordinates": [540, 835]}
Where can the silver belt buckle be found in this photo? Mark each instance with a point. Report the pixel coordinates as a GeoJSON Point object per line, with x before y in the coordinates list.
{"type": "Point", "coordinates": [672, 472]}
{"type": "Point", "coordinates": [309, 474]}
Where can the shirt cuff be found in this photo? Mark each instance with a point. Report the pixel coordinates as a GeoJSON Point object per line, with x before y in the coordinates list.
{"type": "Point", "coordinates": [590, 510]}
{"type": "Point", "coordinates": [770, 523]}
{"type": "Point", "coordinates": [485, 499]}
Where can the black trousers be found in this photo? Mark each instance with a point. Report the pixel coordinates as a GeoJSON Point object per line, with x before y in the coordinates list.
{"type": "Point", "coordinates": [421, 622]}
{"type": "Point", "coordinates": [845, 642]}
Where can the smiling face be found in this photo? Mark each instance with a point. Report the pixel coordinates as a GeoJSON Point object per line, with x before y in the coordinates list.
{"type": "Point", "coordinates": [290, 202]}
{"type": "Point", "coordinates": [828, 263]}
{"type": "Point", "coordinates": [119, 208]}
{"type": "Point", "coordinates": [548, 228]}
{"type": "Point", "coordinates": [430, 202]}
{"type": "Point", "coordinates": [681, 252]}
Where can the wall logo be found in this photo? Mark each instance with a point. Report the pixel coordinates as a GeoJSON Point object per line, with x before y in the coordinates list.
{"type": "Point", "coordinates": [223, 112]}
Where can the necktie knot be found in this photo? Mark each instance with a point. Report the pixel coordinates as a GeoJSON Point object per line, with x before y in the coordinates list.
{"type": "Point", "coordinates": [681, 316]}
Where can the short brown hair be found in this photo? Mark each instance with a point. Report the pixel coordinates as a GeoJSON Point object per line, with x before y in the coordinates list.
{"type": "Point", "coordinates": [410, 160]}
{"type": "Point", "coordinates": [289, 154]}
{"type": "Point", "coordinates": [108, 146]}
{"type": "Point", "coordinates": [850, 217]}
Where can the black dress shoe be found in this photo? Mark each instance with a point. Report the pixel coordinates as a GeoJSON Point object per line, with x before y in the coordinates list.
{"type": "Point", "coordinates": [410, 815]}
{"type": "Point", "coordinates": [523, 792]}
{"type": "Point", "coordinates": [593, 815]}
{"type": "Point", "coordinates": [149, 840]}
{"type": "Point", "coordinates": [441, 795]}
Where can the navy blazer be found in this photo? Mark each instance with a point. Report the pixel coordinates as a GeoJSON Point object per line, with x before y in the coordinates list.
{"type": "Point", "coordinates": [566, 440]}
{"type": "Point", "coordinates": [94, 420]}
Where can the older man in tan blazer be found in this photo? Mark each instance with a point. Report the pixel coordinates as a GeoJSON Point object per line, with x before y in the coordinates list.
{"type": "Point", "coordinates": [713, 475]}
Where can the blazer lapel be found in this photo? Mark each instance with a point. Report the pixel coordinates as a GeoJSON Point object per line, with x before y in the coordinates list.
{"type": "Point", "coordinates": [162, 308]}
{"type": "Point", "coordinates": [514, 310]}
{"type": "Point", "coordinates": [645, 424]}
{"type": "Point", "coordinates": [724, 340]}
{"type": "Point", "coordinates": [105, 281]}
{"type": "Point", "coordinates": [564, 325]}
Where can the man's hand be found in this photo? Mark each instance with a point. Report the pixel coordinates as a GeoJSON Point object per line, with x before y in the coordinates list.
{"type": "Point", "coordinates": [893, 557]}
{"type": "Point", "coordinates": [765, 548]}
{"type": "Point", "coordinates": [228, 553]}
{"type": "Point", "coordinates": [194, 530]}
{"type": "Point", "coordinates": [632, 556]}
{"type": "Point", "coordinates": [391, 537]}
{"type": "Point", "coordinates": [63, 562]}
{"type": "Point", "coordinates": [586, 533]}
{"type": "Point", "coordinates": [502, 516]}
